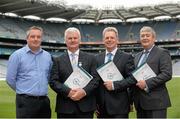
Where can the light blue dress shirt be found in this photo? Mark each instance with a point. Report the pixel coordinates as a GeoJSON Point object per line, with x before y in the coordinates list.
{"type": "Point", "coordinates": [113, 54]}
{"type": "Point", "coordinates": [28, 72]}
{"type": "Point", "coordinates": [143, 55]}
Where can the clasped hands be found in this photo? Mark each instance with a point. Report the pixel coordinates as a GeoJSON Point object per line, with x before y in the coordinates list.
{"type": "Point", "coordinates": [141, 84]}
{"type": "Point", "coordinates": [76, 94]}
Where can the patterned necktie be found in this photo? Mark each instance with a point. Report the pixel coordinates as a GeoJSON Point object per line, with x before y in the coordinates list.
{"type": "Point", "coordinates": [144, 58]}
{"type": "Point", "coordinates": [109, 56]}
{"type": "Point", "coordinates": [73, 60]}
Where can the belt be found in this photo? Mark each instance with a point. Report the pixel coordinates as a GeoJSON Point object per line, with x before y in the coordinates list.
{"type": "Point", "coordinates": [33, 97]}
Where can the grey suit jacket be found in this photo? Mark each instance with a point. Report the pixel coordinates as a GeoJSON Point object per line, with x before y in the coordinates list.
{"type": "Point", "coordinates": [61, 70]}
{"type": "Point", "coordinates": [116, 101]}
{"type": "Point", "coordinates": [157, 98]}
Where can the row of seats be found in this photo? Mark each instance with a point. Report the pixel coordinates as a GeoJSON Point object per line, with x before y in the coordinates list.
{"type": "Point", "coordinates": [54, 32]}
{"type": "Point", "coordinates": [3, 67]}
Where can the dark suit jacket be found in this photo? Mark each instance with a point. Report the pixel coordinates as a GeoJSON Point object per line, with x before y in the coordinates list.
{"type": "Point", "coordinates": [157, 98]}
{"type": "Point", "coordinates": [61, 70]}
{"type": "Point", "coordinates": [116, 101]}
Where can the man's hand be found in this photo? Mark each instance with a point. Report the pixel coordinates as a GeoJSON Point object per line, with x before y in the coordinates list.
{"type": "Point", "coordinates": [71, 93]}
{"type": "Point", "coordinates": [108, 85]}
{"type": "Point", "coordinates": [141, 84]}
{"type": "Point", "coordinates": [78, 94]}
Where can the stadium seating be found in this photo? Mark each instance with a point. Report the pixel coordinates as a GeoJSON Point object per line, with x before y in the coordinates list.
{"type": "Point", "coordinates": [54, 32]}
{"type": "Point", "coordinates": [176, 68]}
{"type": "Point", "coordinates": [16, 28]}
{"type": "Point", "coordinates": [3, 67]}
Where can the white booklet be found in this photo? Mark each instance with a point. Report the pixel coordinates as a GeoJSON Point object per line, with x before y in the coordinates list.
{"type": "Point", "coordinates": [144, 72]}
{"type": "Point", "coordinates": [109, 71]}
{"type": "Point", "coordinates": [79, 78]}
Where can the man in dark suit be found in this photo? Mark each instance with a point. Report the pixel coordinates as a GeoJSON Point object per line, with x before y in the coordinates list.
{"type": "Point", "coordinates": [79, 102]}
{"type": "Point", "coordinates": [114, 103]}
{"type": "Point", "coordinates": [151, 97]}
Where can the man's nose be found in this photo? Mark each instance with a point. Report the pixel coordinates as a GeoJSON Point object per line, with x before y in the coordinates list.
{"type": "Point", "coordinates": [73, 39]}
{"type": "Point", "coordinates": [109, 39]}
{"type": "Point", "coordinates": [36, 38]}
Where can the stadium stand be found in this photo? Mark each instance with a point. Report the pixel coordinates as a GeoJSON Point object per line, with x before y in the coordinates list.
{"type": "Point", "coordinates": [176, 68]}
{"type": "Point", "coordinates": [13, 29]}
{"type": "Point", "coordinates": [3, 67]}
{"type": "Point", "coordinates": [53, 32]}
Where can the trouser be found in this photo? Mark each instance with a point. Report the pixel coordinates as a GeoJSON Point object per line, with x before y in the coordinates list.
{"type": "Point", "coordinates": [88, 115]}
{"type": "Point", "coordinates": [76, 114]}
{"type": "Point", "coordinates": [104, 114]}
{"type": "Point", "coordinates": [160, 113]}
{"type": "Point", "coordinates": [32, 106]}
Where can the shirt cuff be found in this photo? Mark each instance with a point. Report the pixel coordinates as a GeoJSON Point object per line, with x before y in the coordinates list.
{"type": "Point", "coordinates": [84, 92]}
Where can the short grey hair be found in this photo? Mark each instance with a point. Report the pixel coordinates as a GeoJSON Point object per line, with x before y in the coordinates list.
{"type": "Point", "coordinates": [107, 29]}
{"type": "Point", "coordinates": [72, 29]}
{"type": "Point", "coordinates": [32, 28]}
{"type": "Point", "coordinates": [148, 29]}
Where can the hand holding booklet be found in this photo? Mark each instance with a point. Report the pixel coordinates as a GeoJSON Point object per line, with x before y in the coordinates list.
{"type": "Point", "coordinates": [143, 72]}
{"type": "Point", "coordinates": [79, 78]}
{"type": "Point", "coordinates": [109, 71]}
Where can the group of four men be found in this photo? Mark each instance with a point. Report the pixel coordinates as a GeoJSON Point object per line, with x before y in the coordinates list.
{"type": "Point", "coordinates": [31, 69]}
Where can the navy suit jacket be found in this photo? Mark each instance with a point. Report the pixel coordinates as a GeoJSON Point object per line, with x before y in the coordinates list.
{"type": "Point", "coordinates": [61, 70]}
{"type": "Point", "coordinates": [116, 101]}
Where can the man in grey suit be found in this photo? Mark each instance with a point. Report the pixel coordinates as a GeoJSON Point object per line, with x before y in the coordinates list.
{"type": "Point", "coordinates": [151, 96]}
{"type": "Point", "coordinates": [112, 102]}
{"type": "Point", "coordinates": [79, 102]}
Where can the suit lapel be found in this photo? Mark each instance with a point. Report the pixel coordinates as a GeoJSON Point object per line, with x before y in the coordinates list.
{"type": "Point", "coordinates": [101, 58]}
{"type": "Point", "coordinates": [137, 58]}
{"type": "Point", "coordinates": [80, 58]}
{"type": "Point", "coordinates": [117, 56]}
{"type": "Point", "coordinates": [151, 54]}
{"type": "Point", "coordinates": [67, 62]}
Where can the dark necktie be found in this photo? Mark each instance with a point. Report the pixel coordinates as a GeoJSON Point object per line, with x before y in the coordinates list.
{"type": "Point", "coordinates": [144, 58]}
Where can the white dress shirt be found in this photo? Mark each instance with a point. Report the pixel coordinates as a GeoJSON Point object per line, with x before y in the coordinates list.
{"type": "Point", "coordinates": [76, 54]}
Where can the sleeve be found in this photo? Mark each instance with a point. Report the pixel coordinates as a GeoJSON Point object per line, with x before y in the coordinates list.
{"type": "Point", "coordinates": [94, 83]}
{"type": "Point", "coordinates": [54, 81]}
{"type": "Point", "coordinates": [165, 71]}
{"type": "Point", "coordinates": [12, 70]}
{"type": "Point", "coordinates": [129, 80]}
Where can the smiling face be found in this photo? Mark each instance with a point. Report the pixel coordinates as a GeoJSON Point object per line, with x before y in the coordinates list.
{"type": "Point", "coordinates": [72, 40]}
{"type": "Point", "coordinates": [110, 40]}
{"type": "Point", "coordinates": [34, 39]}
{"type": "Point", "coordinates": [147, 39]}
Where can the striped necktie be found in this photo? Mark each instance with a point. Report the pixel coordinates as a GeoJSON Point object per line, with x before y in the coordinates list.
{"type": "Point", "coordinates": [73, 60]}
{"type": "Point", "coordinates": [144, 58]}
{"type": "Point", "coordinates": [109, 56]}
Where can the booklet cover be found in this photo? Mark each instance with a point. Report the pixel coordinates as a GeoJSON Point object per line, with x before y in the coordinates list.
{"type": "Point", "coordinates": [109, 71]}
{"type": "Point", "coordinates": [143, 72]}
{"type": "Point", "coordinates": [79, 78]}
